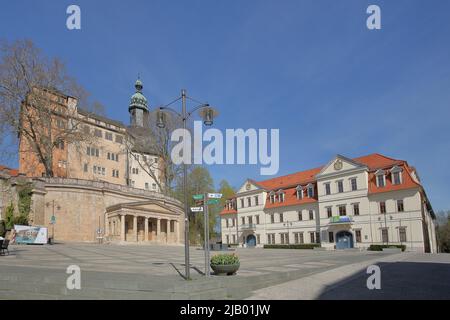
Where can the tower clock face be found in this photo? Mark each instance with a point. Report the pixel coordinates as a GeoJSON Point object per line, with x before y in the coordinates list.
{"type": "Point", "coordinates": [338, 165]}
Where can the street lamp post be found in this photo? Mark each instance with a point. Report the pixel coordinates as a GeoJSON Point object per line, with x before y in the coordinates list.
{"type": "Point", "coordinates": [53, 218]}
{"type": "Point", "coordinates": [287, 225]}
{"type": "Point", "coordinates": [208, 115]}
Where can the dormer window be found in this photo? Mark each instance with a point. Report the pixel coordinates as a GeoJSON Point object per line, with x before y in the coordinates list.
{"type": "Point", "coordinates": [272, 197]}
{"type": "Point", "coordinates": [280, 195]}
{"type": "Point", "coordinates": [310, 189]}
{"type": "Point", "coordinates": [396, 174]}
{"type": "Point", "coordinates": [299, 192]}
{"type": "Point", "coordinates": [381, 178]}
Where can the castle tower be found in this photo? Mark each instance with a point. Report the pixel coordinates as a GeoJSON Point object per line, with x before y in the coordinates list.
{"type": "Point", "coordinates": [138, 107]}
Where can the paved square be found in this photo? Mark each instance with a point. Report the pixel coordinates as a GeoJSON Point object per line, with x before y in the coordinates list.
{"type": "Point", "coordinates": [154, 272]}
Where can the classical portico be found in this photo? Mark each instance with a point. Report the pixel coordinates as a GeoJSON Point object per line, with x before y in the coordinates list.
{"type": "Point", "coordinates": [149, 221]}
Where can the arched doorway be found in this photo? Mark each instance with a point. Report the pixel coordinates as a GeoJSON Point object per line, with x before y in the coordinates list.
{"type": "Point", "coordinates": [344, 240]}
{"type": "Point", "coordinates": [251, 241]}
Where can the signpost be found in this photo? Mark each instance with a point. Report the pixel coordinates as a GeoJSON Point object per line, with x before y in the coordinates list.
{"type": "Point", "coordinates": [206, 199]}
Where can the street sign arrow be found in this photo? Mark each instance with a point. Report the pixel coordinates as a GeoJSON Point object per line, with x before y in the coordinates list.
{"type": "Point", "coordinates": [197, 209]}
{"type": "Point", "coordinates": [213, 201]}
{"type": "Point", "coordinates": [197, 197]}
{"type": "Point", "coordinates": [214, 195]}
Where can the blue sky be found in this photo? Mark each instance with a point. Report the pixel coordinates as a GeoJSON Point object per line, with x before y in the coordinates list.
{"type": "Point", "coordinates": [310, 68]}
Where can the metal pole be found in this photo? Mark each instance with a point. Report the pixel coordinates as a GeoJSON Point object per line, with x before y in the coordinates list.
{"type": "Point", "coordinates": [207, 238]}
{"type": "Point", "coordinates": [53, 224]}
{"type": "Point", "coordinates": [205, 229]}
{"type": "Point", "coordinates": [186, 213]}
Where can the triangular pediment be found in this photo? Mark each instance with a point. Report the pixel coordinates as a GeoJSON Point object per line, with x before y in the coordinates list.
{"type": "Point", "coordinates": [340, 164]}
{"type": "Point", "coordinates": [249, 185]}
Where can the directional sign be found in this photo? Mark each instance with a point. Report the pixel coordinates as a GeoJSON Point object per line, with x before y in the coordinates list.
{"type": "Point", "coordinates": [197, 197]}
{"type": "Point", "coordinates": [197, 209]}
{"type": "Point", "coordinates": [214, 195]}
{"type": "Point", "coordinates": [53, 220]}
{"type": "Point", "coordinates": [213, 201]}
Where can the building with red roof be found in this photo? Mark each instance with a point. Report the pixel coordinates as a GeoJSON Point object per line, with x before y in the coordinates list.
{"type": "Point", "coordinates": [347, 203]}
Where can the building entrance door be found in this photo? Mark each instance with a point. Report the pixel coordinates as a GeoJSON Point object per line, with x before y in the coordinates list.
{"type": "Point", "coordinates": [344, 240]}
{"type": "Point", "coordinates": [251, 241]}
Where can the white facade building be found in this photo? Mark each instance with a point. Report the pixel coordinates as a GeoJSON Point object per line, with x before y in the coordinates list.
{"type": "Point", "coordinates": [348, 203]}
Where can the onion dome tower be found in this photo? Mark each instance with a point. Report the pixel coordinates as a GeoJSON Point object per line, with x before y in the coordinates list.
{"type": "Point", "coordinates": [138, 108]}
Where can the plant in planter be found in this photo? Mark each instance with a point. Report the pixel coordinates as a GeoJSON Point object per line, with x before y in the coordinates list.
{"type": "Point", "coordinates": [225, 264]}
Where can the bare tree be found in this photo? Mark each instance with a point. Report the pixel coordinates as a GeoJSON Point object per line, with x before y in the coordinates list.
{"type": "Point", "coordinates": [37, 102]}
{"type": "Point", "coordinates": [151, 147]}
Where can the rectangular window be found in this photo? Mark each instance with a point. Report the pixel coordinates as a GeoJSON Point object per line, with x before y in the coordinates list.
{"type": "Point", "coordinates": [300, 216]}
{"type": "Point", "coordinates": [384, 235]}
{"type": "Point", "coordinates": [329, 212]}
{"type": "Point", "coordinates": [108, 136]}
{"type": "Point", "coordinates": [256, 200]}
{"type": "Point", "coordinates": [311, 192]}
{"type": "Point", "coordinates": [146, 187]}
{"type": "Point", "coordinates": [396, 178]}
{"type": "Point", "coordinates": [272, 218]}
{"type": "Point", "coordinates": [382, 207]}
{"type": "Point", "coordinates": [257, 219]}
{"type": "Point", "coordinates": [312, 237]}
{"type": "Point", "coordinates": [380, 181]}
{"type": "Point", "coordinates": [272, 198]}
{"type": "Point", "coordinates": [400, 206]}
{"type": "Point", "coordinates": [402, 234]}
{"type": "Point", "coordinates": [119, 139]}
{"type": "Point", "coordinates": [281, 197]}
{"type": "Point", "coordinates": [296, 237]}
{"type": "Point", "coordinates": [228, 239]}
{"type": "Point", "coordinates": [250, 220]}
{"type": "Point", "coordinates": [327, 189]}
{"type": "Point", "coordinates": [86, 129]}
{"type": "Point", "coordinates": [154, 186]}
{"type": "Point", "coordinates": [108, 156]}
{"type": "Point", "coordinates": [234, 238]}
{"type": "Point", "coordinates": [258, 239]}
{"type": "Point", "coordinates": [243, 220]}
{"type": "Point", "coordinates": [301, 238]}
{"type": "Point", "coordinates": [85, 168]}
{"type": "Point", "coordinates": [97, 153]}
{"type": "Point", "coordinates": [311, 215]}
{"type": "Point", "coordinates": [299, 193]}
{"type": "Point", "coordinates": [356, 209]}
{"type": "Point", "coordinates": [249, 201]}
{"type": "Point", "coordinates": [331, 237]}
{"type": "Point", "coordinates": [242, 202]}
{"type": "Point", "coordinates": [358, 235]}
{"type": "Point", "coordinates": [342, 210]}
{"type": "Point", "coordinates": [354, 184]}
{"type": "Point", "coordinates": [340, 185]}
{"type": "Point", "coordinates": [103, 171]}
{"type": "Point", "coordinates": [88, 151]}
{"type": "Point", "coordinates": [98, 133]}
{"type": "Point", "coordinates": [281, 217]}
{"type": "Point", "coordinates": [226, 223]}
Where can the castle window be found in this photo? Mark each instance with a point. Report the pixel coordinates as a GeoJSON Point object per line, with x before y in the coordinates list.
{"type": "Point", "coordinates": [108, 136]}
{"type": "Point", "coordinates": [98, 133]}
{"type": "Point", "coordinates": [119, 139]}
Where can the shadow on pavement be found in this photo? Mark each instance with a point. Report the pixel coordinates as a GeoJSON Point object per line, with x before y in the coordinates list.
{"type": "Point", "coordinates": [399, 281]}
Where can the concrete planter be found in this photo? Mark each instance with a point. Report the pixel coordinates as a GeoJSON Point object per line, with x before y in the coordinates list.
{"type": "Point", "coordinates": [225, 269]}
{"type": "Point", "coordinates": [392, 250]}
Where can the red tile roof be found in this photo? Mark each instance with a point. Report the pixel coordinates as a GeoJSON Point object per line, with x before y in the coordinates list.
{"type": "Point", "coordinates": [373, 161]}
{"type": "Point", "coordinates": [11, 172]}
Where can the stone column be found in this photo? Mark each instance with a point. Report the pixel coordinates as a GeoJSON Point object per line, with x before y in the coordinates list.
{"type": "Point", "coordinates": [146, 229]}
{"type": "Point", "coordinates": [177, 231]}
{"type": "Point", "coordinates": [135, 231]}
{"type": "Point", "coordinates": [122, 227]}
{"type": "Point", "coordinates": [167, 230]}
{"type": "Point", "coordinates": [158, 229]}
{"type": "Point", "coordinates": [107, 226]}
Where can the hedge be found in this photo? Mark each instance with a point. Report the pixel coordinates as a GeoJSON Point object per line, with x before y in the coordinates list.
{"type": "Point", "coordinates": [380, 247]}
{"type": "Point", "coordinates": [292, 246]}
